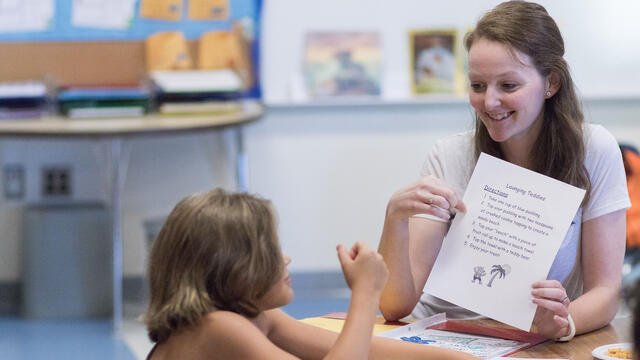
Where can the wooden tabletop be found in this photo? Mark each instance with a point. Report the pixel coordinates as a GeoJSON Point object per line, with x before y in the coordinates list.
{"type": "Point", "coordinates": [150, 124]}
{"type": "Point", "coordinates": [581, 346]}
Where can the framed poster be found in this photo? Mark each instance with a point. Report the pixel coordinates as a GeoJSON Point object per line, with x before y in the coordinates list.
{"type": "Point", "coordinates": [435, 67]}
{"type": "Point", "coordinates": [342, 63]}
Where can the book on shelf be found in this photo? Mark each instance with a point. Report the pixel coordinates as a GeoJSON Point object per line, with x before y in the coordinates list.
{"type": "Point", "coordinates": [23, 100]}
{"type": "Point", "coordinates": [25, 113]}
{"type": "Point", "coordinates": [197, 108]}
{"type": "Point", "coordinates": [197, 81]}
{"type": "Point", "coordinates": [103, 102]}
{"type": "Point", "coordinates": [106, 112]}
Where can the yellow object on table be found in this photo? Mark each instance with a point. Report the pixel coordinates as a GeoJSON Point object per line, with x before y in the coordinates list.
{"type": "Point", "coordinates": [619, 353]}
{"type": "Point", "coordinates": [335, 325]}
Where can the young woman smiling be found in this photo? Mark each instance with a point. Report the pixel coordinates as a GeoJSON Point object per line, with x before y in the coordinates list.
{"type": "Point", "coordinates": [527, 113]}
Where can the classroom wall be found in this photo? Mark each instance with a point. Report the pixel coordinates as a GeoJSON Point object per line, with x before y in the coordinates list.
{"type": "Point", "coordinates": [330, 169]}
{"type": "Point", "coordinates": [599, 36]}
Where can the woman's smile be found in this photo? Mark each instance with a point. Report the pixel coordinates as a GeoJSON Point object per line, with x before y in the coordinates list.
{"type": "Point", "coordinates": [500, 116]}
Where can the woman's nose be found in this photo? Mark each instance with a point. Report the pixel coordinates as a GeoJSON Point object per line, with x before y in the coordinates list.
{"type": "Point", "coordinates": [491, 99]}
{"type": "Point", "coordinates": [287, 259]}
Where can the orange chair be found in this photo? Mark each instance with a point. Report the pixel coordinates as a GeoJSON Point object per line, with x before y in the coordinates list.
{"type": "Point", "coordinates": [631, 160]}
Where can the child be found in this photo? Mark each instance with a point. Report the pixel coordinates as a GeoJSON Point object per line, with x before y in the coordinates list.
{"type": "Point", "coordinates": [218, 277]}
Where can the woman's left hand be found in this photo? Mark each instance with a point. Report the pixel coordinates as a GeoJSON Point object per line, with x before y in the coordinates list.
{"type": "Point", "coordinates": [551, 319]}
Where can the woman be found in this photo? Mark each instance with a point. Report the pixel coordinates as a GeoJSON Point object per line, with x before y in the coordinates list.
{"type": "Point", "coordinates": [527, 113]}
{"type": "Point", "coordinates": [217, 279]}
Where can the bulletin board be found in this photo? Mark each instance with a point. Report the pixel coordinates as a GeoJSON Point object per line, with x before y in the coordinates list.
{"type": "Point", "coordinates": [57, 39]}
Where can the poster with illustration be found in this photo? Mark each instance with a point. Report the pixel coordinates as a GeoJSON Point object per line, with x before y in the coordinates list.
{"type": "Point", "coordinates": [435, 67]}
{"type": "Point", "coordinates": [342, 63]}
{"type": "Point", "coordinates": [508, 238]}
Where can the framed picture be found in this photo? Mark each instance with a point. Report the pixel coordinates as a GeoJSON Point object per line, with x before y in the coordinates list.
{"type": "Point", "coordinates": [339, 64]}
{"type": "Point", "coordinates": [435, 67]}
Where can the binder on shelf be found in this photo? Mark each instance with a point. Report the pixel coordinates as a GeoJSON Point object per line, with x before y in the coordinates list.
{"type": "Point", "coordinates": [200, 108]}
{"type": "Point", "coordinates": [96, 102]}
{"type": "Point", "coordinates": [22, 100]}
{"type": "Point", "coordinates": [197, 92]}
{"type": "Point", "coordinates": [223, 80]}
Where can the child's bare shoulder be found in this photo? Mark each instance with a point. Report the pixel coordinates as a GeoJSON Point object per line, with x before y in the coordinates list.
{"type": "Point", "coordinates": [231, 335]}
{"type": "Point", "coordinates": [221, 322]}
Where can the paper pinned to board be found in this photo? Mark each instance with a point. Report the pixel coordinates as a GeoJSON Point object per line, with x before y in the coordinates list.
{"type": "Point", "coordinates": [26, 15]}
{"type": "Point", "coordinates": [161, 9]}
{"type": "Point", "coordinates": [103, 14]}
{"type": "Point", "coordinates": [209, 9]}
{"type": "Point", "coordinates": [507, 240]}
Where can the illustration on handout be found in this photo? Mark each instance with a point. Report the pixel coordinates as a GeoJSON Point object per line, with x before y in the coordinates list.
{"type": "Point", "coordinates": [478, 273]}
{"type": "Point", "coordinates": [499, 271]}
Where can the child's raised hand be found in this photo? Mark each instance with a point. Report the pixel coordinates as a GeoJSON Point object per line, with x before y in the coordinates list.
{"type": "Point", "coordinates": [363, 268]}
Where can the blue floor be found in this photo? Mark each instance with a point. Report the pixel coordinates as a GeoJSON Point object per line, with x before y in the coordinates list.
{"type": "Point", "coordinates": [310, 307]}
{"type": "Point", "coordinates": [22, 339]}
{"type": "Point", "coordinates": [316, 294]}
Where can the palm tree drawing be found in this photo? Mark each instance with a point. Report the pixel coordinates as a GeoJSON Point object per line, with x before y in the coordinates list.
{"type": "Point", "coordinates": [499, 270]}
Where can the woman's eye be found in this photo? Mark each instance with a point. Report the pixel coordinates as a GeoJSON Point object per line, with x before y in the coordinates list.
{"type": "Point", "coordinates": [477, 87]}
{"type": "Point", "coordinates": [509, 86]}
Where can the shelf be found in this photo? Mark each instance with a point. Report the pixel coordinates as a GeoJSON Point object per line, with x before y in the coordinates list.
{"type": "Point", "coordinates": [342, 102]}
{"type": "Point", "coordinates": [150, 124]}
{"type": "Point", "coordinates": [425, 100]}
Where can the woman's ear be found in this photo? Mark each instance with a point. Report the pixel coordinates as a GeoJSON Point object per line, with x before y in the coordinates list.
{"type": "Point", "coordinates": [553, 84]}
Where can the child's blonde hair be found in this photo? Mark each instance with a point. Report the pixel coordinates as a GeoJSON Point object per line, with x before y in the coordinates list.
{"type": "Point", "coordinates": [216, 251]}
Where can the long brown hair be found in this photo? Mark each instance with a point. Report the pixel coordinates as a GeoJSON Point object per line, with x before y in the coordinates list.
{"type": "Point", "coordinates": [215, 251]}
{"type": "Point", "coordinates": [559, 151]}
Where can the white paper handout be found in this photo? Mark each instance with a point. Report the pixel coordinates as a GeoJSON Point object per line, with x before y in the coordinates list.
{"type": "Point", "coordinates": [484, 347]}
{"type": "Point", "coordinates": [515, 222]}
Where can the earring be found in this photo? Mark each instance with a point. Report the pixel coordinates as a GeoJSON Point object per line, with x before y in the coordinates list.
{"type": "Point", "coordinates": [548, 93]}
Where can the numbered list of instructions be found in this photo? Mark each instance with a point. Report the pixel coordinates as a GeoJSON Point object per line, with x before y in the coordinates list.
{"type": "Point", "coordinates": [507, 240]}
{"type": "Point", "coordinates": [500, 211]}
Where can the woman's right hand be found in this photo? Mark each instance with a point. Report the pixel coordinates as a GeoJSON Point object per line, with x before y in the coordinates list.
{"type": "Point", "coordinates": [363, 268]}
{"type": "Point", "coordinates": [429, 195]}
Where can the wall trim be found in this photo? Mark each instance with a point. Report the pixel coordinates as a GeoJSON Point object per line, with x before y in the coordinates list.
{"type": "Point", "coordinates": [135, 289]}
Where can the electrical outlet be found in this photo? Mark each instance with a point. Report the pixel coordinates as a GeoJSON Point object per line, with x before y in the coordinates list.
{"type": "Point", "coordinates": [56, 181]}
{"type": "Point", "coordinates": [13, 181]}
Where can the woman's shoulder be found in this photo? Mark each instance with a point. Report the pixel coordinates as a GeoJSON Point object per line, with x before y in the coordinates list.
{"type": "Point", "coordinates": [453, 149]}
{"type": "Point", "coordinates": [597, 136]}
{"type": "Point", "coordinates": [451, 158]}
{"type": "Point", "coordinates": [462, 140]}
{"type": "Point", "coordinates": [603, 162]}
{"type": "Point", "coordinates": [600, 144]}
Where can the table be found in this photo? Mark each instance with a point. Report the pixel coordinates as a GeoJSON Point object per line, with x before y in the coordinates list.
{"type": "Point", "coordinates": [579, 348]}
{"type": "Point", "coordinates": [111, 135]}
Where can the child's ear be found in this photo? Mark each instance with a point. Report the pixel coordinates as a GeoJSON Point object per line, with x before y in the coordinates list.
{"type": "Point", "coordinates": [553, 83]}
